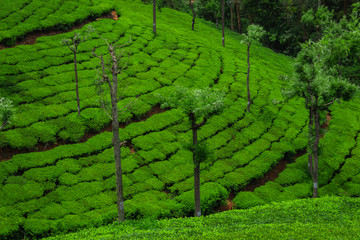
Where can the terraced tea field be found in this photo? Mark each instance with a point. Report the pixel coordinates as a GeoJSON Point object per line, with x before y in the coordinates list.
{"type": "Point", "coordinates": [57, 172]}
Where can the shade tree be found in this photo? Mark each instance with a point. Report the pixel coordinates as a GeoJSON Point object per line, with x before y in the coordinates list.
{"type": "Point", "coordinates": [318, 83]}
{"type": "Point", "coordinates": [254, 33]}
{"type": "Point", "coordinates": [72, 43]}
{"type": "Point", "coordinates": [198, 105]}
{"type": "Point", "coordinates": [109, 72]}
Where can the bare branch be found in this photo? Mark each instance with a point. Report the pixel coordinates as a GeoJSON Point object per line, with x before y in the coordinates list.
{"type": "Point", "coordinates": [329, 103]}
{"type": "Point", "coordinates": [125, 44]}
{"type": "Point", "coordinates": [3, 125]}
{"type": "Point", "coordinates": [201, 124]}
{"type": "Point", "coordinates": [93, 53]}
{"type": "Point", "coordinates": [104, 107]}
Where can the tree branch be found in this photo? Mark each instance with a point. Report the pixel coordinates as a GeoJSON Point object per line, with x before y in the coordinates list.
{"type": "Point", "coordinates": [3, 125]}
{"type": "Point", "coordinates": [329, 103]}
{"type": "Point", "coordinates": [201, 124]}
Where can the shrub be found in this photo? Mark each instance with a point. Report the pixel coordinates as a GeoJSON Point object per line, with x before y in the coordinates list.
{"type": "Point", "coordinates": [12, 193]}
{"type": "Point", "coordinates": [98, 171]}
{"type": "Point", "coordinates": [154, 205]}
{"type": "Point", "coordinates": [52, 211]}
{"type": "Point", "coordinates": [300, 190]}
{"type": "Point", "coordinates": [69, 165]}
{"type": "Point", "coordinates": [247, 200]}
{"type": "Point", "coordinates": [78, 191]}
{"type": "Point", "coordinates": [211, 194]}
{"type": "Point", "coordinates": [44, 174]}
{"type": "Point", "coordinates": [290, 176]}
{"type": "Point", "coordinates": [39, 227]}
{"type": "Point", "coordinates": [68, 179]}
{"type": "Point", "coordinates": [10, 226]}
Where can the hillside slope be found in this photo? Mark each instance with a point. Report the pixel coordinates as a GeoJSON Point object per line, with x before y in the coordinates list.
{"type": "Point", "coordinates": [70, 185]}
{"type": "Point", "coordinates": [325, 218]}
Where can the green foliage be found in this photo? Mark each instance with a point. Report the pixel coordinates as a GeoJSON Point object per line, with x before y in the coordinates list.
{"type": "Point", "coordinates": [310, 218]}
{"type": "Point", "coordinates": [6, 111]}
{"type": "Point", "coordinates": [200, 102]}
{"type": "Point", "coordinates": [212, 194]}
{"type": "Point", "coordinates": [254, 33]}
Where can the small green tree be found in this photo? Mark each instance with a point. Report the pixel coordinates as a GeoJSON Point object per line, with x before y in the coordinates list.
{"type": "Point", "coordinates": [73, 43]}
{"type": "Point", "coordinates": [6, 111]}
{"type": "Point", "coordinates": [255, 33]}
{"type": "Point", "coordinates": [198, 105]}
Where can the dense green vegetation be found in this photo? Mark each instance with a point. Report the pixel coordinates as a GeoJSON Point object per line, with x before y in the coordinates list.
{"type": "Point", "coordinates": [73, 186]}
{"type": "Point", "coordinates": [18, 18]}
{"type": "Point", "coordinates": [326, 218]}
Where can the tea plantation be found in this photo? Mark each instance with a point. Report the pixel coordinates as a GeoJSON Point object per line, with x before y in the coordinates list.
{"type": "Point", "coordinates": [72, 186]}
{"type": "Point", "coordinates": [325, 218]}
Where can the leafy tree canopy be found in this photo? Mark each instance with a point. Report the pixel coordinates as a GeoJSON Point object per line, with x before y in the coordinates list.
{"type": "Point", "coordinates": [200, 102]}
{"type": "Point", "coordinates": [254, 33]}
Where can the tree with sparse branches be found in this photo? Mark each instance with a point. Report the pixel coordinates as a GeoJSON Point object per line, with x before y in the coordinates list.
{"type": "Point", "coordinates": [254, 33]}
{"type": "Point", "coordinates": [7, 111]}
{"type": "Point", "coordinates": [109, 76]}
{"type": "Point", "coordinates": [198, 105]}
{"type": "Point", "coordinates": [319, 84]}
{"type": "Point", "coordinates": [193, 6]}
{"type": "Point", "coordinates": [73, 43]}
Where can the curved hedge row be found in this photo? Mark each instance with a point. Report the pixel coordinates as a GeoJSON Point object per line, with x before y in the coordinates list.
{"type": "Point", "coordinates": [324, 218]}
{"type": "Point", "coordinates": [19, 18]}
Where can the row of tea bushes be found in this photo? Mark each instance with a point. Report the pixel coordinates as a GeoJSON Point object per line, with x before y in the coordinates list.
{"type": "Point", "coordinates": [19, 18]}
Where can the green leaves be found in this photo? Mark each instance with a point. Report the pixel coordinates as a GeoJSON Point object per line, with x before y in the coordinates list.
{"type": "Point", "coordinates": [255, 33]}
{"type": "Point", "coordinates": [200, 102]}
{"type": "Point", "coordinates": [7, 111]}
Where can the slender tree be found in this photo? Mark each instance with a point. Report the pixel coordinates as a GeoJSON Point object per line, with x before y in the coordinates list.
{"type": "Point", "coordinates": [255, 33]}
{"type": "Point", "coordinates": [238, 15]}
{"type": "Point", "coordinates": [154, 17]}
{"type": "Point", "coordinates": [198, 104]}
{"type": "Point", "coordinates": [115, 67]}
{"type": "Point", "coordinates": [73, 43]}
{"type": "Point", "coordinates": [223, 21]}
{"type": "Point", "coordinates": [191, 4]}
{"type": "Point", "coordinates": [7, 111]}
{"type": "Point", "coordinates": [231, 5]}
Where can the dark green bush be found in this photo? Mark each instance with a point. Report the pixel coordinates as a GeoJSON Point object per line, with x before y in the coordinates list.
{"type": "Point", "coordinates": [212, 195]}
{"type": "Point", "coordinates": [247, 200]}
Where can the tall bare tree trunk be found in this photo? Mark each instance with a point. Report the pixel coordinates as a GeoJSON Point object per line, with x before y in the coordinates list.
{"type": "Point", "coordinates": [310, 131]}
{"type": "Point", "coordinates": [154, 16]}
{"type": "Point", "coordinates": [346, 7]}
{"type": "Point", "coordinates": [194, 15]}
{"type": "Point", "coordinates": [223, 21]}
{"type": "Point", "coordinates": [315, 151]}
{"type": "Point", "coordinates": [232, 17]}
{"type": "Point", "coordinates": [76, 82]}
{"type": "Point", "coordinates": [310, 137]}
{"type": "Point", "coordinates": [248, 78]}
{"type": "Point", "coordinates": [238, 16]}
{"type": "Point", "coordinates": [113, 86]}
{"type": "Point", "coordinates": [196, 169]}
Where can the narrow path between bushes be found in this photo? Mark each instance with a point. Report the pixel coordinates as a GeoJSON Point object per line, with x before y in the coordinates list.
{"type": "Point", "coordinates": [31, 37]}
{"type": "Point", "coordinates": [271, 175]}
{"type": "Point", "coordinates": [6, 153]}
